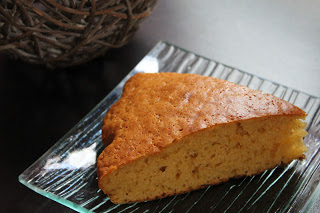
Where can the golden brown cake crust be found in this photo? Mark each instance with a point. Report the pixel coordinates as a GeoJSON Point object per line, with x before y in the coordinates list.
{"type": "Point", "coordinates": [157, 109]}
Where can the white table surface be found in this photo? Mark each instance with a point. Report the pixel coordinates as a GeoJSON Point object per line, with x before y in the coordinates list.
{"type": "Point", "coordinates": [278, 40]}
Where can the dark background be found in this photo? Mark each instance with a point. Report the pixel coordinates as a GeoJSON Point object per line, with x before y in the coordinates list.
{"type": "Point", "coordinates": [38, 107]}
{"type": "Point", "coordinates": [277, 40]}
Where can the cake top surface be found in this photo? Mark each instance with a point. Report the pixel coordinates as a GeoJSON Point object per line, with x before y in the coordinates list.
{"type": "Point", "coordinates": [159, 108]}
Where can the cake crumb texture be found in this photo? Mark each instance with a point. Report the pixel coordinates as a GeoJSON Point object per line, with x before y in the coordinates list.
{"type": "Point", "coordinates": [171, 133]}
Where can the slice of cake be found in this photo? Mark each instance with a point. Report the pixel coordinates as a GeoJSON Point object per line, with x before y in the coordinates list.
{"type": "Point", "coordinates": [171, 133]}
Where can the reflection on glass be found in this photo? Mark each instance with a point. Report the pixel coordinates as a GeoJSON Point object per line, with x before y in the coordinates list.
{"type": "Point", "coordinates": [74, 160]}
{"type": "Point", "coordinates": [148, 65]}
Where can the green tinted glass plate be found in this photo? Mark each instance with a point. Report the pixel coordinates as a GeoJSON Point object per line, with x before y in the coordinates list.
{"type": "Point", "coordinates": [66, 173]}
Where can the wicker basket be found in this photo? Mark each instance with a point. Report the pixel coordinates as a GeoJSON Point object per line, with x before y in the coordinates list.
{"type": "Point", "coordinates": [60, 33]}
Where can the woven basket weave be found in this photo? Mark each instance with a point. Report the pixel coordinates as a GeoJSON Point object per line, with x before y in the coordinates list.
{"type": "Point", "coordinates": [60, 33]}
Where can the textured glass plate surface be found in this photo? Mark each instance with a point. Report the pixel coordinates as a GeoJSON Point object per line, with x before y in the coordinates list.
{"type": "Point", "coordinates": [66, 173]}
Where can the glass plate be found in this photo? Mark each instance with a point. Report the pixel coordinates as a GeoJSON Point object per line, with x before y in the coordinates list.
{"type": "Point", "coordinates": [66, 173]}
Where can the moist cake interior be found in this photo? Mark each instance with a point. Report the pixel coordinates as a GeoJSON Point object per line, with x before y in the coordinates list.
{"type": "Point", "coordinates": [208, 157]}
